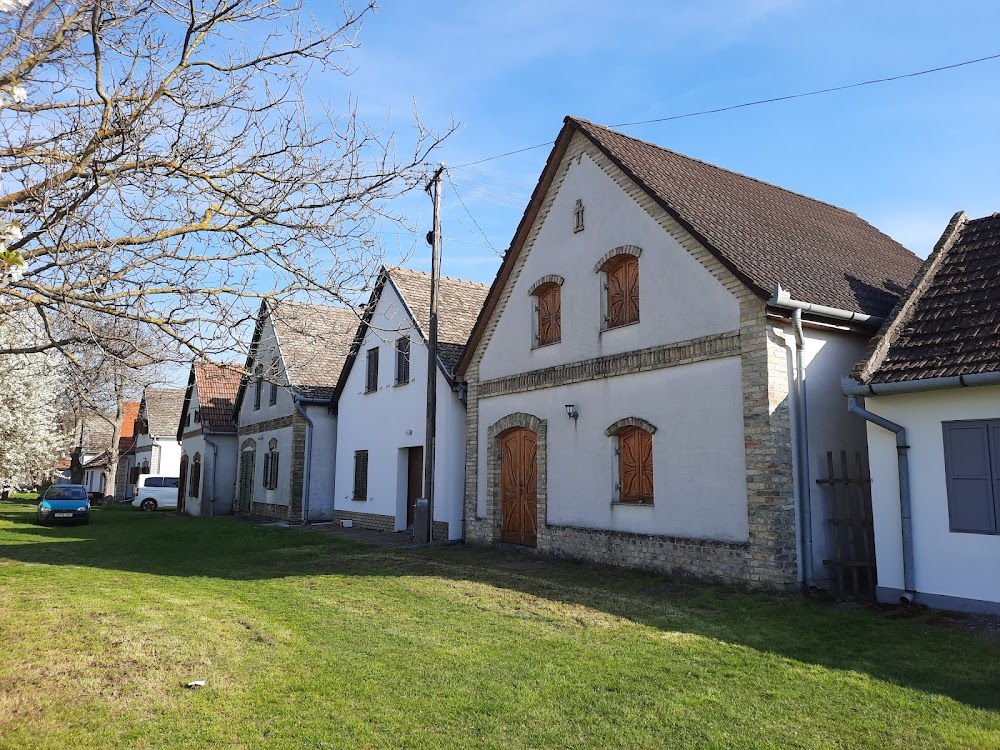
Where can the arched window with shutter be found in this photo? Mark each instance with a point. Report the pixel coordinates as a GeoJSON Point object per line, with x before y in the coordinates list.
{"type": "Point", "coordinates": [546, 324]}
{"type": "Point", "coordinates": [633, 439]}
{"type": "Point", "coordinates": [271, 465]}
{"type": "Point", "coordinates": [195, 485]}
{"type": "Point", "coordinates": [619, 270]}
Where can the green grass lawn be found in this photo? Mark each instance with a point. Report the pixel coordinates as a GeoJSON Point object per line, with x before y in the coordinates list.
{"type": "Point", "coordinates": [306, 641]}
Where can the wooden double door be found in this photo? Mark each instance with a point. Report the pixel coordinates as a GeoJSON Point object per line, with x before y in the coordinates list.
{"type": "Point", "coordinates": [519, 487]}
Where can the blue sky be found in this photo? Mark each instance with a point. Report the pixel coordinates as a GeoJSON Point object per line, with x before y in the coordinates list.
{"type": "Point", "coordinates": [904, 155]}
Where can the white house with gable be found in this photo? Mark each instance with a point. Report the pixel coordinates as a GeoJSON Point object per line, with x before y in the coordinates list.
{"type": "Point", "coordinates": [287, 433]}
{"type": "Point", "coordinates": [157, 449]}
{"type": "Point", "coordinates": [930, 384]}
{"type": "Point", "coordinates": [633, 386]}
{"type": "Point", "coordinates": [207, 434]}
{"type": "Point", "coordinates": [381, 403]}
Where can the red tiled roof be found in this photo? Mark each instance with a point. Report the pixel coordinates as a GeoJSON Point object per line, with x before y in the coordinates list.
{"type": "Point", "coordinates": [217, 387]}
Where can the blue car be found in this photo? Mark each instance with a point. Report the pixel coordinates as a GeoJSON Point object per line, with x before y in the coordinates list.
{"type": "Point", "coordinates": [64, 503]}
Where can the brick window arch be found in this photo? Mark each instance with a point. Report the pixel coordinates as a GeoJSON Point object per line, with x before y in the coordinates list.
{"type": "Point", "coordinates": [634, 452]}
{"type": "Point", "coordinates": [547, 314]}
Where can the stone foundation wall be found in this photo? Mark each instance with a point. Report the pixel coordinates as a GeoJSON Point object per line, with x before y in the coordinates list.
{"type": "Point", "coordinates": [702, 559]}
{"type": "Point", "coordinates": [378, 522]}
{"type": "Point", "coordinates": [268, 510]}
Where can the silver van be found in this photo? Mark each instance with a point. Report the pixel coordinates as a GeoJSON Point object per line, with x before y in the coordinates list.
{"type": "Point", "coordinates": [155, 491]}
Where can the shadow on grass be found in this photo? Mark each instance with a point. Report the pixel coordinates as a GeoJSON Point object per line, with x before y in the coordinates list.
{"type": "Point", "coordinates": [888, 644]}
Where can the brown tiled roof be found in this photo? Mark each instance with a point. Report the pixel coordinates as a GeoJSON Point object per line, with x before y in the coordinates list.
{"type": "Point", "coordinates": [948, 324]}
{"type": "Point", "coordinates": [163, 409]}
{"type": "Point", "coordinates": [97, 433]}
{"type": "Point", "coordinates": [459, 303]}
{"type": "Point", "coordinates": [766, 234]}
{"type": "Point", "coordinates": [217, 387]}
{"type": "Point", "coordinates": [315, 341]}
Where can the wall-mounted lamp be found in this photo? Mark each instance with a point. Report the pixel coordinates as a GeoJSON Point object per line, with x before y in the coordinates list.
{"type": "Point", "coordinates": [571, 411]}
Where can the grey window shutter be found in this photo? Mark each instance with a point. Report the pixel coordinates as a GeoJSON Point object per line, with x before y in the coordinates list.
{"type": "Point", "coordinates": [402, 360]}
{"type": "Point", "coordinates": [360, 475]}
{"type": "Point", "coordinates": [371, 383]}
{"type": "Point", "coordinates": [969, 476]}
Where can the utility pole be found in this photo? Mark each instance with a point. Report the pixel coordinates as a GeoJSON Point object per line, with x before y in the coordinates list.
{"type": "Point", "coordinates": [432, 336]}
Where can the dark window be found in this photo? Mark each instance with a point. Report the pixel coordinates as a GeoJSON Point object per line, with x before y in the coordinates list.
{"type": "Point", "coordinates": [972, 468]}
{"type": "Point", "coordinates": [153, 482]}
{"type": "Point", "coordinates": [197, 416]}
{"type": "Point", "coordinates": [170, 481]}
{"type": "Point", "coordinates": [187, 419]}
{"type": "Point", "coordinates": [271, 465]}
{"type": "Point", "coordinates": [66, 493]}
{"type": "Point", "coordinates": [360, 475]}
{"type": "Point", "coordinates": [258, 385]}
{"type": "Point", "coordinates": [195, 484]}
{"type": "Point", "coordinates": [273, 398]}
{"type": "Point", "coordinates": [133, 476]}
{"type": "Point", "coordinates": [403, 360]}
{"type": "Point", "coordinates": [635, 465]}
{"type": "Point", "coordinates": [549, 312]}
{"type": "Point", "coordinates": [371, 381]}
{"type": "Point", "coordinates": [622, 286]}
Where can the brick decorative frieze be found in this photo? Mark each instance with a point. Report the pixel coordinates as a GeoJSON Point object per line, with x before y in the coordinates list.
{"type": "Point", "coordinates": [191, 434]}
{"type": "Point", "coordinates": [267, 425]}
{"type": "Point", "coordinates": [700, 349]}
{"type": "Point", "coordinates": [769, 558]}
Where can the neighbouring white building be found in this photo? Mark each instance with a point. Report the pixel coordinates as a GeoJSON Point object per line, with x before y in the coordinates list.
{"type": "Point", "coordinates": [634, 380]}
{"type": "Point", "coordinates": [207, 433]}
{"type": "Point", "coordinates": [931, 388]}
{"type": "Point", "coordinates": [287, 433]}
{"type": "Point", "coordinates": [381, 404]}
{"type": "Point", "coordinates": [157, 450]}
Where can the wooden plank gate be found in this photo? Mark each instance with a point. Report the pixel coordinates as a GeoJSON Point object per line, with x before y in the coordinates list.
{"type": "Point", "coordinates": [851, 534]}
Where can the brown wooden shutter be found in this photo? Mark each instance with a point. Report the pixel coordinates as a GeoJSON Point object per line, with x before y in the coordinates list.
{"type": "Point", "coordinates": [274, 470]}
{"type": "Point", "coordinates": [134, 475]}
{"type": "Point", "coordinates": [549, 315]}
{"type": "Point", "coordinates": [971, 475]}
{"type": "Point", "coordinates": [371, 381]}
{"type": "Point", "coordinates": [623, 291]}
{"type": "Point", "coordinates": [403, 360]}
{"type": "Point", "coordinates": [635, 465]}
{"type": "Point", "coordinates": [360, 475]}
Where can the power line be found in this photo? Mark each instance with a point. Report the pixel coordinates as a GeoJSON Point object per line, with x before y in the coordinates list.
{"type": "Point", "coordinates": [495, 179]}
{"type": "Point", "coordinates": [754, 103]}
{"type": "Point", "coordinates": [459, 196]}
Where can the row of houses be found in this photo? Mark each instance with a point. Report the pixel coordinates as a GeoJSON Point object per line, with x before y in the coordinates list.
{"type": "Point", "coordinates": [654, 379]}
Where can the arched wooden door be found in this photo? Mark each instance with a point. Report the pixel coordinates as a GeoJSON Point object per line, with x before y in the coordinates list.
{"type": "Point", "coordinates": [182, 484]}
{"type": "Point", "coordinates": [519, 487]}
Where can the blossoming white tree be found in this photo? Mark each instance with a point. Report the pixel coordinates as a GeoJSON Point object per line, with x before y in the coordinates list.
{"type": "Point", "coordinates": [30, 441]}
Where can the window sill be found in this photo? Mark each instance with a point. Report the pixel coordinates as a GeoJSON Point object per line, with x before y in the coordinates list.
{"type": "Point", "coordinates": [643, 504]}
{"type": "Point", "coordinates": [606, 329]}
{"type": "Point", "coordinates": [542, 346]}
{"type": "Point", "coordinates": [397, 385]}
{"type": "Point", "coordinates": [365, 393]}
{"type": "Point", "coordinates": [359, 499]}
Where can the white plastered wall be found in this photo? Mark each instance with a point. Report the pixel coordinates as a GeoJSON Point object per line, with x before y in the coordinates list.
{"type": "Point", "coordinates": [947, 564]}
{"type": "Point", "coordinates": [699, 469]}
{"type": "Point", "coordinates": [393, 418]}
{"type": "Point", "coordinates": [827, 355]}
{"type": "Point", "coordinates": [678, 298]}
